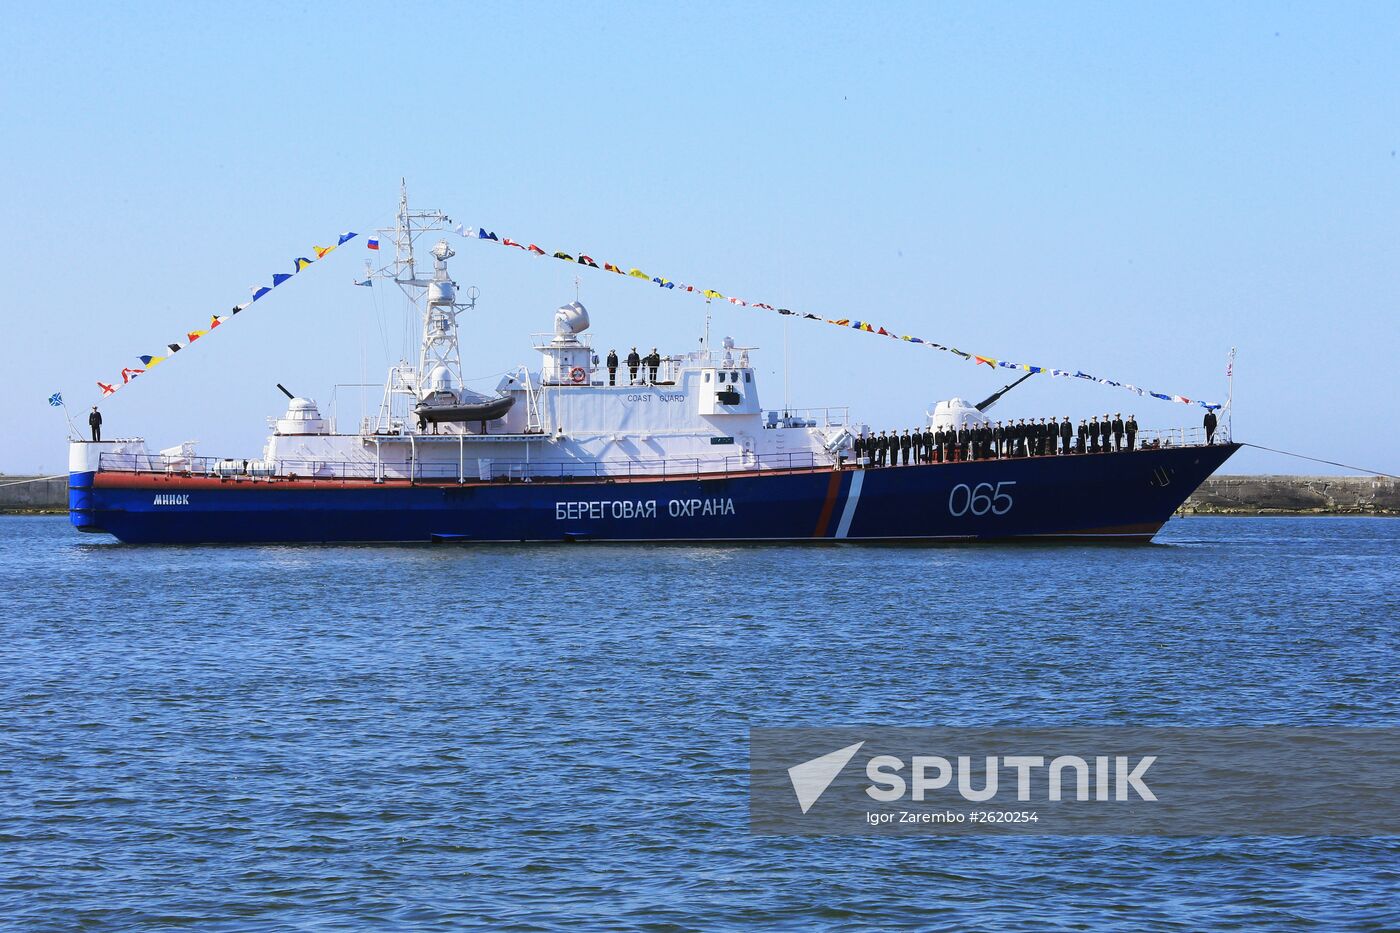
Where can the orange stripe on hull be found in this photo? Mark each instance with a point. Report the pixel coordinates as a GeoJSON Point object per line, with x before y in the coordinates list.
{"type": "Point", "coordinates": [829, 505]}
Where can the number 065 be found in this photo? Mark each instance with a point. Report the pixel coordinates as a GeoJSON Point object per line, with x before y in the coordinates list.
{"type": "Point", "coordinates": [980, 499]}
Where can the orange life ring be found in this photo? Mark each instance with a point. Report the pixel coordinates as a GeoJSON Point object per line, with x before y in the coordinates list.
{"type": "Point", "coordinates": [577, 375]}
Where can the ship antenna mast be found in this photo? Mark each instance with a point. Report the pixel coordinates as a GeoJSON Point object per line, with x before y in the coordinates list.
{"type": "Point", "coordinates": [431, 304]}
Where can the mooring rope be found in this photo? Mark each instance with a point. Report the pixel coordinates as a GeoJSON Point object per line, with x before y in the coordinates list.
{"type": "Point", "coordinates": [1345, 466]}
{"type": "Point", "coordinates": [37, 479]}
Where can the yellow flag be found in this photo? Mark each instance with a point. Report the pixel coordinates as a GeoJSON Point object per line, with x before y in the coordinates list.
{"type": "Point", "coordinates": [639, 274]}
{"type": "Point", "coordinates": [321, 251]}
{"type": "Point", "coordinates": [711, 293]}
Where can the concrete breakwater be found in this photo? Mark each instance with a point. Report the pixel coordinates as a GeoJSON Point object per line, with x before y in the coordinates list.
{"type": "Point", "coordinates": [1219, 495]}
{"type": "Point", "coordinates": [33, 493]}
{"type": "Point", "coordinates": [1295, 495]}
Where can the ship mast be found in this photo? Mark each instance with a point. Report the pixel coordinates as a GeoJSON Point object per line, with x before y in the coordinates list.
{"type": "Point", "coordinates": [431, 304]}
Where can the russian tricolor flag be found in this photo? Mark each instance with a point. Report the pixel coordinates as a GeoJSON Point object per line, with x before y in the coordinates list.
{"type": "Point", "coordinates": [372, 243]}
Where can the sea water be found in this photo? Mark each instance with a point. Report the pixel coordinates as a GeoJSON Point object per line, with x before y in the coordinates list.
{"type": "Point", "coordinates": [555, 737]}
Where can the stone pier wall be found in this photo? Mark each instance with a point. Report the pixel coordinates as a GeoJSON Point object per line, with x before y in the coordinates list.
{"type": "Point", "coordinates": [33, 493]}
{"type": "Point", "coordinates": [1295, 495]}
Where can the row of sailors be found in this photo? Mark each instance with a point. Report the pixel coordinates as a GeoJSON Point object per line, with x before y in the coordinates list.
{"type": "Point", "coordinates": [1023, 438]}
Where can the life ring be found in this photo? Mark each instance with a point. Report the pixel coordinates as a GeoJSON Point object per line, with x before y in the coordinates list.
{"type": "Point", "coordinates": [577, 375]}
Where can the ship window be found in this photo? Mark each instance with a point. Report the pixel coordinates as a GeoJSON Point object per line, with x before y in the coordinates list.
{"type": "Point", "coordinates": [707, 376]}
{"type": "Point", "coordinates": [720, 376]}
{"type": "Point", "coordinates": [748, 377]}
{"type": "Point", "coordinates": [733, 377]}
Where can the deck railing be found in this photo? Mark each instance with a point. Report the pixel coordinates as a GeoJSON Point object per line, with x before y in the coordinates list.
{"type": "Point", "coordinates": [469, 470]}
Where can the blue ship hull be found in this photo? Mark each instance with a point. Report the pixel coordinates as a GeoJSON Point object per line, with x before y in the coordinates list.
{"type": "Point", "coordinates": [1125, 496]}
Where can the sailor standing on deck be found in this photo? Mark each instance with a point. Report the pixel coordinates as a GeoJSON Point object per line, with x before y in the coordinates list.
{"type": "Point", "coordinates": [1209, 423]}
{"type": "Point", "coordinates": [633, 362]}
{"type": "Point", "coordinates": [858, 447]}
{"type": "Point", "coordinates": [612, 367]}
{"type": "Point", "coordinates": [906, 443]}
{"type": "Point", "coordinates": [1066, 433]}
{"type": "Point", "coordinates": [1094, 434]}
{"type": "Point", "coordinates": [95, 422]}
{"type": "Point", "coordinates": [1083, 435]}
{"type": "Point", "coordinates": [998, 435]}
{"type": "Point", "coordinates": [653, 363]}
{"type": "Point", "coordinates": [1131, 427]}
{"type": "Point", "coordinates": [940, 445]}
{"type": "Point", "coordinates": [928, 445]}
{"type": "Point", "coordinates": [1118, 430]}
{"type": "Point", "coordinates": [882, 448]}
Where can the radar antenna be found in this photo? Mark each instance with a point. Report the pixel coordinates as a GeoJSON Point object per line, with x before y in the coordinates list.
{"type": "Point", "coordinates": [431, 310]}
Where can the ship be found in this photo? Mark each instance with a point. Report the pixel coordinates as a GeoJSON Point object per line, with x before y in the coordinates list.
{"type": "Point", "coordinates": [567, 451]}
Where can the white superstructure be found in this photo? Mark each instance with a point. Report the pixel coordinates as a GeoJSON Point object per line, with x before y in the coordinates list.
{"type": "Point", "coordinates": [701, 413]}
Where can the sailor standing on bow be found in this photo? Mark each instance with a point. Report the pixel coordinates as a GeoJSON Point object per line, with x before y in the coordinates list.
{"type": "Point", "coordinates": [612, 367]}
{"type": "Point", "coordinates": [633, 362]}
{"type": "Point", "coordinates": [95, 422]}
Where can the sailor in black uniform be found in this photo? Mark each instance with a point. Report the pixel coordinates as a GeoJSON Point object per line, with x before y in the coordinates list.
{"type": "Point", "coordinates": [1130, 426]}
{"type": "Point", "coordinates": [998, 435]}
{"type": "Point", "coordinates": [1066, 433]}
{"type": "Point", "coordinates": [1047, 437]}
{"type": "Point", "coordinates": [906, 443]}
{"type": "Point", "coordinates": [95, 422]}
{"type": "Point", "coordinates": [858, 447]}
{"type": "Point", "coordinates": [653, 363]}
{"type": "Point", "coordinates": [612, 367]}
{"type": "Point", "coordinates": [940, 446]}
{"type": "Point", "coordinates": [1118, 430]}
{"type": "Point", "coordinates": [928, 445]}
{"type": "Point", "coordinates": [1210, 423]}
{"type": "Point", "coordinates": [1083, 435]}
{"type": "Point", "coordinates": [1094, 434]}
{"type": "Point", "coordinates": [633, 362]}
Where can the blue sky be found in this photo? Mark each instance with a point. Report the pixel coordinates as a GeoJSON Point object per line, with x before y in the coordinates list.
{"type": "Point", "coordinates": [1123, 189]}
